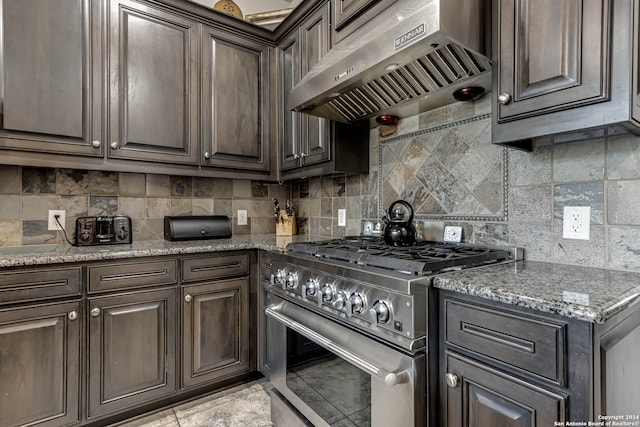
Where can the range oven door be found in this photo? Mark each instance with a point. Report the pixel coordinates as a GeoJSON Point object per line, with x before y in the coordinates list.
{"type": "Point", "coordinates": [333, 374]}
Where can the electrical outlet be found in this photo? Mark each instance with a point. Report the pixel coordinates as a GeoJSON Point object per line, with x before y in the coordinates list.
{"type": "Point", "coordinates": [342, 217]}
{"type": "Point", "coordinates": [242, 217]}
{"type": "Point", "coordinates": [576, 221]}
{"type": "Point", "coordinates": [52, 224]}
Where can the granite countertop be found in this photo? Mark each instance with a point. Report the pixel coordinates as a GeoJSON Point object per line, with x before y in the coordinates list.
{"type": "Point", "coordinates": [585, 293]}
{"type": "Point", "coordinates": [16, 256]}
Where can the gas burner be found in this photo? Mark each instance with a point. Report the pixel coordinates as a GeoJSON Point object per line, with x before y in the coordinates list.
{"type": "Point", "coordinates": [424, 257]}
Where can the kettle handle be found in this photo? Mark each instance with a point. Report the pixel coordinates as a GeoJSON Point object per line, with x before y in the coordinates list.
{"type": "Point", "coordinates": [406, 205]}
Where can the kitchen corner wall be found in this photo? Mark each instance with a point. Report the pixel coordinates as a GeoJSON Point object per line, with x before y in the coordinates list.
{"type": "Point", "coordinates": [27, 194]}
{"type": "Point", "coordinates": [600, 169]}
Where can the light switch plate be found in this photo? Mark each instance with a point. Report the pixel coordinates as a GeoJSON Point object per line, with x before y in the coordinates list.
{"type": "Point", "coordinates": [452, 234]}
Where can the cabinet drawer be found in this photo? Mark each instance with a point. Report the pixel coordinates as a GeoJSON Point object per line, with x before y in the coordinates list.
{"type": "Point", "coordinates": [37, 283]}
{"type": "Point", "coordinates": [215, 266]}
{"type": "Point", "coordinates": [534, 345]}
{"type": "Point", "coordinates": [132, 274]}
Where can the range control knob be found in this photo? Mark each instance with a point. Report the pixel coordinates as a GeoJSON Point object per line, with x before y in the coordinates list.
{"type": "Point", "coordinates": [310, 288]}
{"type": "Point", "coordinates": [325, 294]}
{"type": "Point", "coordinates": [340, 301]}
{"type": "Point", "coordinates": [355, 305]}
{"type": "Point", "coordinates": [278, 278]}
{"type": "Point", "coordinates": [379, 313]}
{"type": "Point", "coordinates": [292, 281]}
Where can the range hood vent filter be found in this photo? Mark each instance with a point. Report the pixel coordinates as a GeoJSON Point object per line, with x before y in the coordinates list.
{"type": "Point", "coordinates": [448, 65]}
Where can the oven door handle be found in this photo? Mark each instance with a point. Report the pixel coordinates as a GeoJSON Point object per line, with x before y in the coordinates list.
{"type": "Point", "coordinates": [388, 377]}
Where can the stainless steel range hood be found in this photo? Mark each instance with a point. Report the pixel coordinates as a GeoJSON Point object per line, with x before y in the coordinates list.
{"type": "Point", "coordinates": [407, 60]}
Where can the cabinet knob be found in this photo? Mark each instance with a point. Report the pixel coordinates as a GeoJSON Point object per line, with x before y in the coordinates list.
{"type": "Point", "coordinates": [207, 155]}
{"type": "Point", "coordinates": [303, 155]}
{"type": "Point", "coordinates": [187, 298]}
{"type": "Point", "coordinates": [296, 156]}
{"type": "Point", "coordinates": [114, 145]}
{"type": "Point", "coordinates": [73, 315]}
{"type": "Point", "coordinates": [504, 98]}
{"type": "Point", "coordinates": [96, 144]}
{"type": "Point", "coordinates": [95, 312]}
{"type": "Point", "coordinates": [452, 380]}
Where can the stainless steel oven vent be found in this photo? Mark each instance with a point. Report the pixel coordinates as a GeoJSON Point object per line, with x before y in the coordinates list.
{"type": "Point", "coordinates": [446, 66]}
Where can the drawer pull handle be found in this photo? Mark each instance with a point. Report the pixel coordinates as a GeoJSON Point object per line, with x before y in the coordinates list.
{"type": "Point", "coordinates": [95, 312]}
{"type": "Point", "coordinates": [452, 380]}
{"type": "Point", "coordinates": [128, 276]}
{"type": "Point", "coordinates": [187, 298]}
{"type": "Point", "coordinates": [73, 315]}
{"type": "Point", "coordinates": [216, 267]}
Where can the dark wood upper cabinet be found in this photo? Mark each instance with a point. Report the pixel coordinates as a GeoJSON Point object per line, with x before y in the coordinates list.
{"type": "Point", "coordinates": [349, 15]}
{"type": "Point", "coordinates": [563, 67]}
{"type": "Point", "coordinates": [311, 145]}
{"type": "Point", "coordinates": [315, 43]}
{"type": "Point", "coordinates": [290, 71]}
{"type": "Point", "coordinates": [154, 84]}
{"type": "Point", "coordinates": [235, 102]}
{"type": "Point", "coordinates": [552, 55]}
{"type": "Point", "coordinates": [51, 80]}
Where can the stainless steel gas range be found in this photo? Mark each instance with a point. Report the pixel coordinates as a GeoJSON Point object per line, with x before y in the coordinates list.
{"type": "Point", "coordinates": [348, 324]}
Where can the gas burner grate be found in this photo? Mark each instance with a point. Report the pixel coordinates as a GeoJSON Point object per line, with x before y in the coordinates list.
{"type": "Point", "coordinates": [424, 257]}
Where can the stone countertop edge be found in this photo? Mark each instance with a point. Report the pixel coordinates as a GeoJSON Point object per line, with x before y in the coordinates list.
{"type": "Point", "coordinates": [68, 254]}
{"type": "Point", "coordinates": [585, 293]}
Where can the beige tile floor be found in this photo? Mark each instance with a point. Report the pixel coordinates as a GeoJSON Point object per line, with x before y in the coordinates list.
{"type": "Point", "coordinates": [247, 405]}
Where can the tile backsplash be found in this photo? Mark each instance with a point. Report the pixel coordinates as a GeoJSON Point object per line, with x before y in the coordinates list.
{"type": "Point", "coordinates": [28, 194]}
{"type": "Point", "coordinates": [600, 169]}
{"type": "Point", "coordinates": [597, 168]}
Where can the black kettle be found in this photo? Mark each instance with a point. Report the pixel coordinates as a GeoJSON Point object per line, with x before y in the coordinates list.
{"type": "Point", "coordinates": [398, 231]}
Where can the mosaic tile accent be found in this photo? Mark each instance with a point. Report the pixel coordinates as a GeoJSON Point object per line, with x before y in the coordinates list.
{"type": "Point", "coordinates": [146, 198]}
{"type": "Point", "coordinates": [72, 182]}
{"type": "Point", "coordinates": [38, 180]}
{"type": "Point", "coordinates": [10, 180]}
{"type": "Point", "coordinates": [103, 183]}
{"type": "Point", "coordinates": [181, 186]}
{"type": "Point", "coordinates": [132, 184]}
{"type": "Point", "coordinates": [259, 189]}
{"type": "Point", "coordinates": [445, 173]}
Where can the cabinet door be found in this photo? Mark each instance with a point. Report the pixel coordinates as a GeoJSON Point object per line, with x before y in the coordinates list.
{"type": "Point", "coordinates": [551, 55]}
{"type": "Point", "coordinates": [349, 15]}
{"type": "Point", "coordinates": [291, 128]}
{"type": "Point", "coordinates": [315, 43]}
{"type": "Point", "coordinates": [479, 396]}
{"type": "Point", "coordinates": [235, 102]}
{"type": "Point", "coordinates": [51, 78]}
{"type": "Point", "coordinates": [215, 334]}
{"type": "Point", "coordinates": [131, 349]}
{"type": "Point", "coordinates": [40, 365]}
{"type": "Point", "coordinates": [154, 85]}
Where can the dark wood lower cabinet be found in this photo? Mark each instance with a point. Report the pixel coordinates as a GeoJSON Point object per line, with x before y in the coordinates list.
{"type": "Point", "coordinates": [40, 365]}
{"type": "Point", "coordinates": [131, 349]}
{"type": "Point", "coordinates": [215, 331]}
{"type": "Point", "coordinates": [479, 396]}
